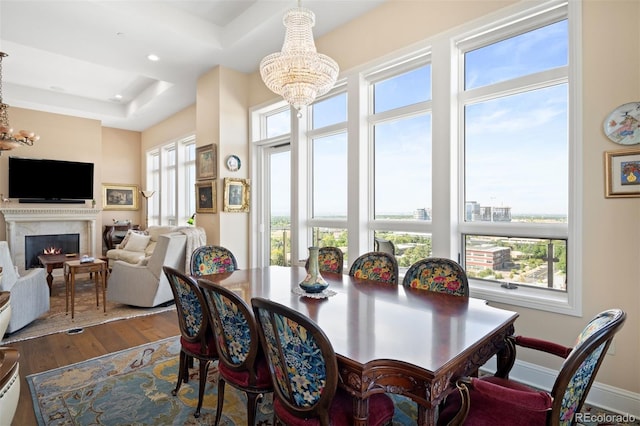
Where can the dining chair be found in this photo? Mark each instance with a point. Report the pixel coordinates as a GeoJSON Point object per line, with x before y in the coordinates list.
{"type": "Point", "coordinates": [375, 266]}
{"type": "Point", "coordinates": [212, 259]}
{"type": "Point", "coordinates": [437, 274]}
{"type": "Point", "coordinates": [380, 244]}
{"type": "Point", "coordinates": [304, 371]}
{"type": "Point", "coordinates": [196, 335]}
{"type": "Point", "coordinates": [330, 259]}
{"type": "Point", "coordinates": [496, 400]}
{"type": "Point", "coordinates": [242, 363]}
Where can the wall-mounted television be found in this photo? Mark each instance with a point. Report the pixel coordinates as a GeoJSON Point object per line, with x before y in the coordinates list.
{"type": "Point", "coordinates": [34, 180]}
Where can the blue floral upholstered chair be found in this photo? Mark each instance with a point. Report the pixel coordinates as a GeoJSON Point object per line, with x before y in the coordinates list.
{"type": "Point", "coordinates": [304, 371]}
{"type": "Point", "coordinates": [437, 274]}
{"type": "Point", "coordinates": [211, 259]}
{"type": "Point", "coordinates": [496, 400]}
{"type": "Point", "coordinates": [196, 335]}
{"type": "Point", "coordinates": [375, 266]}
{"type": "Point", "coordinates": [242, 363]}
{"type": "Point", "coordinates": [330, 259]}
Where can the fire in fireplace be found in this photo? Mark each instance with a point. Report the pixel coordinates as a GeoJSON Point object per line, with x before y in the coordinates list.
{"type": "Point", "coordinates": [35, 245]}
{"type": "Point", "coordinates": [52, 250]}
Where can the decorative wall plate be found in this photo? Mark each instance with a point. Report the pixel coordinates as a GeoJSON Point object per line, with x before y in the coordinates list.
{"type": "Point", "coordinates": [622, 126]}
{"type": "Point", "coordinates": [233, 163]}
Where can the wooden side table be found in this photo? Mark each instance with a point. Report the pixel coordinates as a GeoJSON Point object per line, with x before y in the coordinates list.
{"type": "Point", "coordinates": [98, 268]}
{"type": "Point", "coordinates": [110, 237]}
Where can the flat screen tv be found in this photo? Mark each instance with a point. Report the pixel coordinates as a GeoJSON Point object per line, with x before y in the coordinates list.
{"type": "Point", "coordinates": [50, 181]}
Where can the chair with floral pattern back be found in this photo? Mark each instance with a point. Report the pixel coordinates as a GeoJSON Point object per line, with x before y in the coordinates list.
{"type": "Point", "coordinates": [496, 400]}
{"type": "Point", "coordinates": [437, 274]}
{"type": "Point", "coordinates": [330, 259]}
{"type": "Point", "coordinates": [375, 266]}
{"type": "Point", "coordinates": [242, 362]}
{"type": "Point", "coordinates": [211, 259]}
{"type": "Point", "coordinates": [196, 335]}
{"type": "Point", "coordinates": [304, 371]}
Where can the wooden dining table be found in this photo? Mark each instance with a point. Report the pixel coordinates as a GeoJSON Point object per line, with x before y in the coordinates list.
{"type": "Point", "coordinates": [389, 338]}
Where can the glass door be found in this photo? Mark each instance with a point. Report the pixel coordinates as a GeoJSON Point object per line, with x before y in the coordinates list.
{"type": "Point", "coordinates": [278, 161]}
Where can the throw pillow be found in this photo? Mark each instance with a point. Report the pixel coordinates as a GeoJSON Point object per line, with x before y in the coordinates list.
{"type": "Point", "coordinates": [137, 242]}
{"type": "Point", "coordinates": [125, 240]}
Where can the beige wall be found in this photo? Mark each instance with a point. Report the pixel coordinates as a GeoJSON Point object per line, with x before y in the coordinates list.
{"type": "Point", "coordinates": [222, 104]}
{"type": "Point", "coordinates": [121, 160]}
{"type": "Point", "coordinates": [177, 126]}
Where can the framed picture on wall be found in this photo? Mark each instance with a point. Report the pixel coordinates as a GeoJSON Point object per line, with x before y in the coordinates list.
{"type": "Point", "coordinates": [206, 197]}
{"type": "Point", "coordinates": [207, 162]}
{"type": "Point", "coordinates": [117, 196]}
{"type": "Point", "coordinates": [236, 195]}
{"type": "Point", "coordinates": [622, 173]}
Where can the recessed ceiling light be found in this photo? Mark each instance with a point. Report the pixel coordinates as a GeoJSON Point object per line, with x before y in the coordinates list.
{"type": "Point", "coordinates": [118, 96]}
{"type": "Point", "coordinates": [153, 57]}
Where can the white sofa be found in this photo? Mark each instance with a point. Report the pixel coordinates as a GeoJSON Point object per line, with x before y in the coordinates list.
{"type": "Point", "coordinates": [135, 253]}
{"type": "Point", "coordinates": [144, 284]}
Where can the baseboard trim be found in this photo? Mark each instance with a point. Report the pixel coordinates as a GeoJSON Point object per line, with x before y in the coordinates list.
{"type": "Point", "coordinates": [601, 395]}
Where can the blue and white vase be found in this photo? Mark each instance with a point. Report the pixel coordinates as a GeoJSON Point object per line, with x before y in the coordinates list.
{"type": "Point", "coordinates": [314, 282]}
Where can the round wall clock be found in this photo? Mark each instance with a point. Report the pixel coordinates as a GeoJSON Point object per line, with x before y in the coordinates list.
{"type": "Point", "coordinates": [622, 126]}
{"type": "Point", "coordinates": [233, 163]}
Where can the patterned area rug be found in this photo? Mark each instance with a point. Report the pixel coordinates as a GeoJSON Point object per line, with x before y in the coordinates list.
{"type": "Point", "coordinates": [134, 387]}
{"type": "Point", "coordinates": [86, 312]}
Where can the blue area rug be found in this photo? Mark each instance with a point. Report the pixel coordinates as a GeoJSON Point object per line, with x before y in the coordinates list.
{"type": "Point", "coordinates": [134, 387]}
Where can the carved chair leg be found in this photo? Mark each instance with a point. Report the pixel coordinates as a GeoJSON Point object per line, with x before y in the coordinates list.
{"type": "Point", "coordinates": [252, 406]}
{"type": "Point", "coordinates": [506, 358]}
{"type": "Point", "coordinates": [204, 367]}
{"type": "Point", "coordinates": [221, 385]}
{"type": "Point", "coordinates": [183, 373]}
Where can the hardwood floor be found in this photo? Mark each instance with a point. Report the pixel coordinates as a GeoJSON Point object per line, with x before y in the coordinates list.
{"type": "Point", "coordinates": [57, 350]}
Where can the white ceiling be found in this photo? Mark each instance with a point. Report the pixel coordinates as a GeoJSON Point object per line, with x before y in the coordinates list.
{"type": "Point", "coordinates": [73, 57]}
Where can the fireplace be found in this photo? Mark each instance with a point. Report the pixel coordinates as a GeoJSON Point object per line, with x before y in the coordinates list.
{"type": "Point", "coordinates": [23, 220]}
{"type": "Point", "coordinates": [35, 245]}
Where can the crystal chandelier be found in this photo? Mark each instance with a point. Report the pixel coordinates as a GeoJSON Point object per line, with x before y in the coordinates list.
{"type": "Point", "coordinates": [299, 73]}
{"type": "Point", "coordinates": [8, 139]}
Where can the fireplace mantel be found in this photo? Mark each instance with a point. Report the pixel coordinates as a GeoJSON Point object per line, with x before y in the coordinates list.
{"type": "Point", "coordinates": [19, 213]}
{"type": "Point", "coordinates": [43, 219]}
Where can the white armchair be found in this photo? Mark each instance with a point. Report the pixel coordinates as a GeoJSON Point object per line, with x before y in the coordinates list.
{"type": "Point", "coordinates": [5, 311]}
{"type": "Point", "coordinates": [29, 293]}
{"type": "Point", "coordinates": [144, 284]}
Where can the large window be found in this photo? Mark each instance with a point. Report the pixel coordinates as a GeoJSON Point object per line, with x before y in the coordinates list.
{"type": "Point", "coordinates": [516, 156]}
{"type": "Point", "coordinates": [171, 174]}
{"type": "Point", "coordinates": [400, 122]}
{"type": "Point", "coordinates": [461, 149]}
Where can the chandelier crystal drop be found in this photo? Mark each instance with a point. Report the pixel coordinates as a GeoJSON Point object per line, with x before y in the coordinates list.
{"type": "Point", "coordinates": [8, 139]}
{"type": "Point", "coordinates": [299, 73]}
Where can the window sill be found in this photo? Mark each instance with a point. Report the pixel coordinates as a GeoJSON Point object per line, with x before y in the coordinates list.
{"type": "Point", "coordinates": [533, 298]}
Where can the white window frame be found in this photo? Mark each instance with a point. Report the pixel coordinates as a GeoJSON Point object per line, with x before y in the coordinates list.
{"type": "Point", "coordinates": [569, 302]}
{"type": "Point", "coordinates": [447, 225]}
{"type": "Point", "coordinates": [178, 192]}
